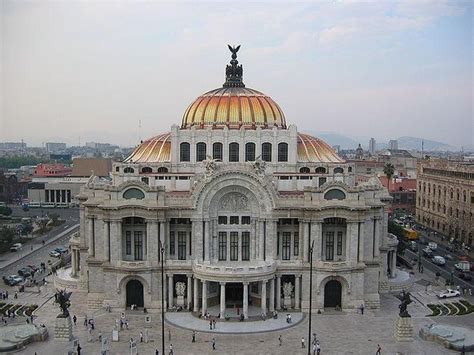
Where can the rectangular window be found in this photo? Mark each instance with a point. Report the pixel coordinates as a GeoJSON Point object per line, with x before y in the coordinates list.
{"type": "Point", "coordinates": [234, 246]}
{"type": "Point", "coordinates": [329, 245]}
{"type": "Point", "coordinates": [138, 245]}
{"type": "Point", "coordinates": [278, 243]}
{"type": "Point", "coordinates": [245, 220]}
{"type": "Point", "coordinates": [172, 243]}
{"type": "Point", "coordinates": [322, 181]}
{"type": "Point", "coordinates": [339, 243]}
{"type": "Point", "coordinates": [222, 220]}
{"type": "Point", "coordinates": [234, 152]}
{"type": "Point", "coordinates": [217, 151]}
{"type": "Point", "coordinates": [190, 248]}
{"type": "Point", "coordinates": [128, 243]}
{"type": "Point", "coordinates": [234, 219]}
{"type": "Point", "coordinates": [245, 245]}
{"type": "Point", "coordinates": [286, 246]}
{"type": "Point", "coordinates": [181, 245]}
{"type": "Point", "coordinates": [222, 246]}
{"type": "Point", "coordinates": [296, 243]}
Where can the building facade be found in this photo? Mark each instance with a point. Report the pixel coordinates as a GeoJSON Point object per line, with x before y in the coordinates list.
{"type": "Point", "coordinates": [234, 202]}
{"type": "Point", "coordinates": [445, 198]}
{"type": "Point", "coordinates": [403, 192]}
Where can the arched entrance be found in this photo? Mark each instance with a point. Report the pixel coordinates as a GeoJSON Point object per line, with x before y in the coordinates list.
{"type": "Point", "coordinates": [134, 290]}
{"type": "Point", "coordinates": [234, 293]}
{"type": "Point", "coordinates": [332, 294]}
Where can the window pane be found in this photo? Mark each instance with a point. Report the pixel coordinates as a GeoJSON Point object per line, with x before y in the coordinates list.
{"type": "Point", "coordinates": [296, 243]}
{"type": "Point", "coordinates": [184, 152]}
{"type": "Point", "coordinates": [200, 151]}
{"type": "Point", "coordinates": [250, 152]}
{"type": "Point", "coordinates": [245, 245]}
{"type": "Point", "coordinates": [339, 243]}
{"type": "Point", "coordinates": [138, 245]}
{"type": "Point", "coordinates": [222, 219]}
{"type": "Point", "coordinates": [181, 245]}
{"type": "Point", "coordinates": [217, 151]}
{"type": "Point", "coordinates": [171, 243]}
{"type": "Point", "coordinates": [234, 219]}
{"type": "Point", "coordinates": [266, 152]}
{"type": "Point", "coordinates": [222, 246]}
{"type": "Point", "coordinates": [245, 220]}
{"type": "Point", "coordinates": [234, 152]}
{"type": "Point", "coordinates": [282, 152]}
{"type": "Point", "coordinates": [285, 246]}
{"type": "Point", "coordinates": [234, 246]}
{"type": "Point", "coordinates": [330, 246]}
{"type": "Point", "coordinates": [128, 243]}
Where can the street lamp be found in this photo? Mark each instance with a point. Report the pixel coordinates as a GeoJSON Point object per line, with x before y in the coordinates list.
{"type": "Point", "coordinates": [162, 250]}
{"type": "Point", "coordinates": [310, 294]}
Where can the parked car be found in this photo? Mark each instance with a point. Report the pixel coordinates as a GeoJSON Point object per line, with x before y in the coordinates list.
{"type": "Point", "coordinates": [12, 280]}
{"type": "Point", "coordinates": [450, 247]}
{"type": "Point", "coordinates": [427, 252]}
{"type": "Point", "coordinates": [33, 267]}
{"type": "Point", "coordinates": [432, 245]}
{"type": "Point", "coordinates": [413, 246]}
{"type": "Point", "coordinates": [25, 272]}
{"type": "Point", "coordinates": [62, 250]}
{"type": "Point", "coordinates": [466, 276]}
{"type": "Point", "coordinates": [449, 293]}
{"type": "Point", "coordinates": [54, 253]}
{"type": "Point", "coordinates": [438, 260]}
{"type": "Point", "coordinates": [462, 266]}
{"type": "Point", "coordinates": [448, 256]}
{"type": "Point", "coordinates": [16, 247]}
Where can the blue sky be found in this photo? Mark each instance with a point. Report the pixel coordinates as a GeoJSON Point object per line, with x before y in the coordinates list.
{"type": "Point", "coordinates": [378, 69]}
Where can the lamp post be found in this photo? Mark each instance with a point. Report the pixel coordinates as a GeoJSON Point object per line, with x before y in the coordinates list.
{"type": "Point", "coordinates": [310, 294]}
{"type": "Point", "coordinates": [162, 250]}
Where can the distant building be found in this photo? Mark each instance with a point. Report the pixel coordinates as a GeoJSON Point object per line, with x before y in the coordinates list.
{"type": "Point", "coordinates": [61, 157]}
{"type": "Point", "coordinates": [403, 192]}
{"type": "Point", "coordinates": [359, 152]}
{"type": "Point", "coordinates": [337, 148]}
{"type": "Point", "coordinates": [55, 147]}
{"type": "Point", "coordinates": [53, 169]}
{"type": "Point", "coordinates": [372, 146]}
{"type": "Point", "coordinates": [403, 161]}
{"type": "Point", "coordinates": [13, 145]}
{"type": "Point", "coordinates": [11, 188]}
{"type": "Point", "coordinates": [445, 199]}
{"type": "Point", "coordinates": [85, 167]}
{"type": "Point", "coordinates": [393, 144]}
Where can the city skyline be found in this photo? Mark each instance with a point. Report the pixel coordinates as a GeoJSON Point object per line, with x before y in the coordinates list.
{"type": "Point", "coordinates": [398, 68]}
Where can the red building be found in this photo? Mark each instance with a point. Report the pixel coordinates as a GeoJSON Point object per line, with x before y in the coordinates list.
{"type": "Point", "coordinates": [52, 169]}
{"type": "Point", "coordinates": [403, 191]}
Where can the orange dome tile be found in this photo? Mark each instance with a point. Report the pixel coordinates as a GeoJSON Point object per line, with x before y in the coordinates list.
{"type": "Point", "coordinates": [153, 150]}
{"type": "Point", "coordinates": [315, 150]}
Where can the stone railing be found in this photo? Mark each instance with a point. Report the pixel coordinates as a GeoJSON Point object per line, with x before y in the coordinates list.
{"type": "Point", "coordinates": [222, 272]}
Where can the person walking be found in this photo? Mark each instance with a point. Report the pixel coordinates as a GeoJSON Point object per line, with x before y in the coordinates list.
{"type": "Point", "coordinates": [79, 349]}
{"type": "Point", "coordinates": [157, 352]}
{"type": "Point", "coordinates": [213, 343]}
{"type": "Point", "coordinates": [362, 308]}
{"type": "Point", "coordinates": [141, 337]}
{"type": "Point", "coordinates": [171, 349]}
{"type": "Point", "coordinates": [100, 337]}
{"type": "Point", "coordinates": [279, 339]}
{"type": "Point", "coordinates": [85, 321]}
{"type": "Point", "coordinates": [379, 350]}
{"type": "Point", "coordinates": [318, 348]}
{"type": "Point", "coordinates": [194, 337]}
{"type": "Point", "coordinates": [302, 342]}
{"type": "Point", "coordinates": [74, 319]}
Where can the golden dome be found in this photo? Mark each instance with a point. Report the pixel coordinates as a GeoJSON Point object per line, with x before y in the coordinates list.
{"type": "Point", "coordinates": [314, 150]}
{"type": "Point", "coordinates": [153, 150]}
{"type": "Point", "coordinates": [234, 107]}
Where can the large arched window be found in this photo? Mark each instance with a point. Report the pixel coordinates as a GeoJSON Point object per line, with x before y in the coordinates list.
{"type": "Point", "coordinates": [200, 151]}
{"type": "Point", "coordinates": [184, 152]}
{"type": "Point", "coordinates": [338, 170]}
{"type": "Point", "coordinates": [147, 170]}
{"type": "Point", "coordinates": [128, 170]}
{"type": "Point", "coordinates": [320, 170]}
{"type": "Point", "coordinates": [217, 150]}
{"type": "Point", "coordinates": [162, 170]}
{"type": "Point", "coordinates": [282, 152]}
{"type": "Point", "coordinates": [250, 152]}
{"type": "Point", "coordinates": [267, 151]}
{"type": "Point", "coordinates": [334, 194]}
{"type": "Point", "coordinates": [234, 152]}
{"type": "Point", "coordinates": [134, 193]}
{"type": "Point", "coordinates": [305, 170]}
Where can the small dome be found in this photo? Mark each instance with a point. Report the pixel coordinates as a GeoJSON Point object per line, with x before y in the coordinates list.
{"type": "Point", "coordinates": [314, 150]}
{"type": "Point", "coordinates": [153, 150]}
{"type": "Point", "coordinates": [234, 107]}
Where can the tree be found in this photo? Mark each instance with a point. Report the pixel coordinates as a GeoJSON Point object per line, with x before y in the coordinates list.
{"type": "Point", "coordinates": [7, 234]}
{"type": "Point", "coordinates": [388, 170]}
{"type": "Point", "coordinates": [5, 210]}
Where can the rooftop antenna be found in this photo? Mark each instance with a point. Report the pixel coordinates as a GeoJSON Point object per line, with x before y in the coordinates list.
{"type": "Point", "coordinates": [422, 146]}
{"type": "Point", "coordinates": [139, 131]}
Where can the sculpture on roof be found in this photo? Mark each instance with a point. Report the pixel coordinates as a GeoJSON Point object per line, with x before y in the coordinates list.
{"type": "Point", "coordinates": [210, 165]}
{"type": "Point", "coordinates": [234, 72]}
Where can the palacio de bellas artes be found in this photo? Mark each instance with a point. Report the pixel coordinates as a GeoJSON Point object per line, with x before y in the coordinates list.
{"type": "Point", "coordinates": [236, 205]}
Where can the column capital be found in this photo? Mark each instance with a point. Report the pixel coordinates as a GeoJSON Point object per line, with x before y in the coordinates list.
{"type": "Point", "coordinates": [245, 283]}
{"type": "Point", "coordinates": [169, 274]}
{"type": "Point", "coordinates": [264, 281]}
{"type": "Point", "coordinates": [222, 283]}
{"type": "Point", "coordinates": [189, 276]}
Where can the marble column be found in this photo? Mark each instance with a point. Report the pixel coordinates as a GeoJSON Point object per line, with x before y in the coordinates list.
{"type": "Point", "coordinates": [162, 238]}
{"type": "Point", "coordinates": [305, 237]}
{"type": "Point", "coordinates": [196, 298]}
{"type": "Point", "coordinates": [393, 264]}
{"type": "Point", "coordinates": [264, 296]}
{"type": "Point", "coordinates": [189, 294]}
{"type": "Point", "coordinates": [207, 243]}
{"type": "Point", "coordinates": [316, 236]}
{"type": "Point", "coordinates": [253, 241]}
{"type": "Point", "coordinates": [106, 241]}
{"type": "Point", "coordinates": [271, 306]}
{"type": "Point", "coordinates": [246, 300]}
{"type": "Point", "coordinates": [151, 241]}
{"type": "Point", "coordinates": [204, 297]}
{"type": "Point", "coordinates": [297, 291]}
{"type": "Point", "coordinates": [116, 240]}
{"type": "Point", "coordinates": [261, 244]}
{"type": "Point", "coordinates": [278, 292]}
{"type": "Point", "coordinates": [170, 291]}
{"type": "Point", "coordinates": [222, 310]}
{"type": "Point", "coordinates": [73, 263]}
{"type": "Point", "coordinates": [90, 234]}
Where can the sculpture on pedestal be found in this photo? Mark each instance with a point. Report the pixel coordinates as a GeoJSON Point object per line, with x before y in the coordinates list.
{"type": "Point", "coordinates": [61, 297]}
{"type": "Point", "coordinates": [405, 299]}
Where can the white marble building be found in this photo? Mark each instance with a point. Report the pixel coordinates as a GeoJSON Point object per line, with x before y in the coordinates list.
{"type": "Point", "coordinates": [237, 198]}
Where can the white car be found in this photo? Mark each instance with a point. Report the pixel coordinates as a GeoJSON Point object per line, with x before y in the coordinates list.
{"type": "Point", "coordinates": [438, 260]}
{"type": "Point", "coordinates": [16, 247]}
{"type": "Point", "coordinates": [54, 254]}
{"type": "Point", "coordinates": [449, 293]}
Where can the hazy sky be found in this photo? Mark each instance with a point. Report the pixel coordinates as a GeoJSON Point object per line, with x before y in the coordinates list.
{"type": "Point", "coordinates": [94, 69]}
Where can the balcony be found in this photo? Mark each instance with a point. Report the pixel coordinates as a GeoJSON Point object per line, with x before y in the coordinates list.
{"type": "Point", "coordinates": [234, 273]}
